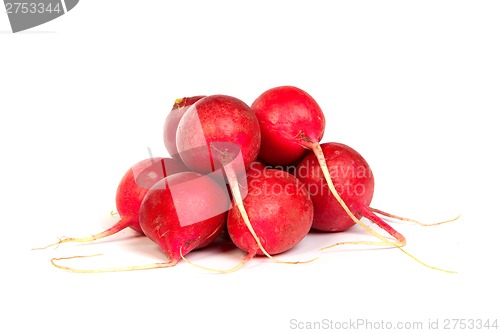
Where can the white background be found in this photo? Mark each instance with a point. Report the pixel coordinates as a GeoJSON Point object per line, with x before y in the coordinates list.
{"type": "Point", "coordinates": [413, 86]}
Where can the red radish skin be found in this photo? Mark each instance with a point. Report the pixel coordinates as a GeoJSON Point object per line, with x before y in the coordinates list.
{"type": "Point", "coordinates": [354, 182]}
{"type": "Point", "coordinates": [137, 182]}
{"type": "Point", "coordinates": [291, 123]}
{"type": "Point", "coordinates": [212, 120]}
{"type": "Point", "coordinates": [131, 190]}
{"type": "Point", "coordinates": [352, 178]}
{"type": "Point", "coordinates": [280, 209]}
{"type": "Point", "coordinates": [172, 122]}
{"type": "Point", "coordinates": [221, 132]}
{"type": "Point", "coordinates": [180, 213]}
{"type": "Point", "coordinates": [184, 212]}
{"type": "Point", "coordinates": [255, 168]}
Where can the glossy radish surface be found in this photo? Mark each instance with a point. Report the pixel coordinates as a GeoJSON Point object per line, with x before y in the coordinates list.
{"type": "Point", "coordinates": [217, 130]}
{"type": "Point", "coordinates": [221, 132]}
{"type": "Point", "coordinates": [279, 208]}
{"type": "Point", "coordinates": [184, 212]}
{"type": "Point", "coordinates": [290, 121]}
{"type": "Point", "coordinates": [354, 182]}
{"type": "Point", "coordinates": [172, 122]}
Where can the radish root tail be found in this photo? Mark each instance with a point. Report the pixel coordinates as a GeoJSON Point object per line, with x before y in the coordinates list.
{"type": "Point", "coordinates": [392, 216]}
{"type": "Point", "coordinates": [122, 224]}
{"type": "Point", "coordinates": [108, 269]}
{"type": "Point", "coordinates": [400, 239]}
{"type": "Point", "coordinates": [353, 243]}
{"type": "Point", "coordinates": [243, 261]}
{"type": "Point", "coordinates": [378, 221]}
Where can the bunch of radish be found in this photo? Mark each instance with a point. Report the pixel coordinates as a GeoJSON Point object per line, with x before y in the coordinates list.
{"type": "Point", "coordinates": [226, 172]}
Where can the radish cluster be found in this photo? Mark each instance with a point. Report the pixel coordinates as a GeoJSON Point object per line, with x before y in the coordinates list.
{"type": "Point", "coordinates": [226, 174]}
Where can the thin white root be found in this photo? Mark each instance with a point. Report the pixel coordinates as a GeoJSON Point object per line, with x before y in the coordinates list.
{"type": "Point", "coordinates": [109, 269]}
{"type": "Point", "coordinates": [378, 211]}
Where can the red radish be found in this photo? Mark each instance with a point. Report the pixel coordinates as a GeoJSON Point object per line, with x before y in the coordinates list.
{"type": "Point", "coordinates": [291, 123]}
{"type": "Point", "coordinates": [354, 182]}
{"type": "Point", "coordinates": [180, 213]}
{"type": "Point", "coordinates": [172, 122]}
{"type": "Point", "coordinates": [137, 182]}
{"type": "Point", "coordinates": [353, 179]}
{"type": "Point", "coordinates": [130, 192]}
{"type": "Point", "coordinates": [221, 132]}
{"type": "Point", "coordinates": [280, 209]}
{"type": "Point", "coordinates": [215, 121]}
{"type": "Point", "coordinates": [184, 212]}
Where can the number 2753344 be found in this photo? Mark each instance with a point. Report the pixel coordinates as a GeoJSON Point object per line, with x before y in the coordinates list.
{"type": "Point", "coordinates": [32, 8]}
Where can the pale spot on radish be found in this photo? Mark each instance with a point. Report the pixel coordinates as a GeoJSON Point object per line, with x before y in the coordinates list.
{"type": "Point", "coordinates": [153, 175]}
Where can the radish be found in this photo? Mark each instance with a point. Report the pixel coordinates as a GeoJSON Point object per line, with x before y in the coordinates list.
{"type": "Point", "coordinates": [280, 209]}
{"type": "Point", "coordinates": [184, 212]}
{"type": "Point", "coordinates": [172, 122]}
{"type": "Point", "coordinates": [180, 213]}
{"type": "Point", "coordinates": [353, 179]}
{"type": "Point", "coordinates": [130, 192]}
{"type": "Point", "coordinates": [216, 131]}
{"type": "Point", "coordinates": [221, 132]}
{"type": "Point", "coordinates": [292, 123]}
